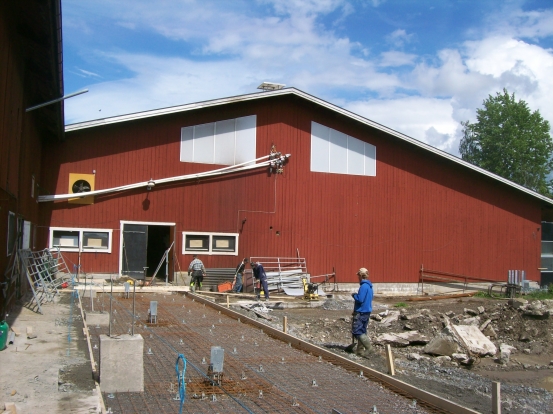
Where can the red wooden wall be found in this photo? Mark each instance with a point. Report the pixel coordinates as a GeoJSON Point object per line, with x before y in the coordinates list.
{"type": "Point", "coordinates": [419, 209]}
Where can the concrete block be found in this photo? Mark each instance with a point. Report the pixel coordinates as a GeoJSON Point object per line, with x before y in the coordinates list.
{"type": "Point", "coordinates": [97, 318]}
{"type": "Point", "coordinates": [122, 363]}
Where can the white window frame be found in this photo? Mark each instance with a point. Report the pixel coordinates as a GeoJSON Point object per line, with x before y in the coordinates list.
{"type": "Point", "coordinates": [334, 152]}
{"type": "Point", "coordinates": [210, 251]}
{"type": "Point", "coordinates": [80, 234]}
{"type": "Point", "coordinates": [225, 142]}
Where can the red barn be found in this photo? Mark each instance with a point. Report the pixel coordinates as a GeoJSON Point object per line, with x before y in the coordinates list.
{"type": "Point", "coordinates": [352, 193]}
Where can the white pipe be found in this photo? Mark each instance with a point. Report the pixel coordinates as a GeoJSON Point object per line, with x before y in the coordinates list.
{"type": "Point", "coordinates": [221, 171]}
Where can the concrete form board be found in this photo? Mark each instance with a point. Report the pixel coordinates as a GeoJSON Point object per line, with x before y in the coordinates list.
{"type": "Point", "coordinates": [122, 363]}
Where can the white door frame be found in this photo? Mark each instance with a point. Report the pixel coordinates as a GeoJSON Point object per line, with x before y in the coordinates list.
{"type": "Point", "coordinates": [145, 223]}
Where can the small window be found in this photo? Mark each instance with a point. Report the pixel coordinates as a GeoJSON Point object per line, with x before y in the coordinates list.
{"type": "Point", "coordinates": [210, 243]}
{"type": "Point", "coordinates": [85, 240]}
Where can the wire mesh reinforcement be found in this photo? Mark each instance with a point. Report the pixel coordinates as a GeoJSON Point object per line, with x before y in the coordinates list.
{"type": "Point", "coordinates": [261, 374]}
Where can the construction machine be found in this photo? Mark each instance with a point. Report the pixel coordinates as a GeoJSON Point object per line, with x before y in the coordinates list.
{"type": "Point", "coordinates": [310, 290]}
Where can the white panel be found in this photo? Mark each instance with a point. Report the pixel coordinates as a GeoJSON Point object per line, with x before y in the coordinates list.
{"type": "Point", "coordinates": [187, 144]}
{"type": "Point", "coordinates": [356, 156]}
{"type": "Point", "coordinates": [245, 139]}
{"type": "Point", "coordinates": [319, 148]}
{"type": "Point", "coordinates": [338, 152]}
{"type": "Point", "coordinates": [204, 143]}
{"type": "Point", "coordinates": [25, 244]}
{"type": "Point", "coordinates": [370, 160]}
{"type": "Point", "coordinates": [224, 142]}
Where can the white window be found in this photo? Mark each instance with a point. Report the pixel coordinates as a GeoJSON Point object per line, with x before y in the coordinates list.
{"type": "Point", "coordinates": [210, 243]}
{"type": "Point", "coordinates": [335, 152]}
{"type": "Point", "coordinates": [227, 142]}
{"type": "Point", "coordinates": [85, 240]}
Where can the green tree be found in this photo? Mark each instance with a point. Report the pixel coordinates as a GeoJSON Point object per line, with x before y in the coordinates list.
{"type": "Point", "coordinates": [511, 141]}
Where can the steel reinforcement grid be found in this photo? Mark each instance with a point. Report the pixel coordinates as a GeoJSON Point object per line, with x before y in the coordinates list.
{"type": "Point", "coordinates": [261, 374]}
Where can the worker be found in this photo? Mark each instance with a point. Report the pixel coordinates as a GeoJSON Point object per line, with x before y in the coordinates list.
{"type": "Point", "coordinates": [261, 277]}
{"type": "Point", "coordinates": [197, 269]}
{"type": "Point", "coordinates": [362, 312]}
{"type": "Point", "coordinates": [238, 276]}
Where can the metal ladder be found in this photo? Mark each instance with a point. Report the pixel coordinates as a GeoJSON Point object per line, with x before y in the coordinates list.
{"type": "Point", "coordinates": [46, 271]}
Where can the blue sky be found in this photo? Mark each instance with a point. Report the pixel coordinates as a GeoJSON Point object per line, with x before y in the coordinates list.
{"type": "Point", "coordinates": [417, 66]}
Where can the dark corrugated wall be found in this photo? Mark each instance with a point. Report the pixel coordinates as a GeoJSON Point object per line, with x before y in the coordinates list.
{"type": "Point", "coordinates": [419, 209]}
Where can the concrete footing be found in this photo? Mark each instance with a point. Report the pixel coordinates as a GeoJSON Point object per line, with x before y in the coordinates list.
{"type": "Point", "coordinates": [122, 363]}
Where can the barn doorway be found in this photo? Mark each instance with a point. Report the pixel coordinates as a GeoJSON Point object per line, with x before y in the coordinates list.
{"type": "Point", "coordinates": [143, 246]}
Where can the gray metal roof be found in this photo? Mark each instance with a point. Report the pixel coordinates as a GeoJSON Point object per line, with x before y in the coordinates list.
{"type": "Point", "coordinates": [308, 97]}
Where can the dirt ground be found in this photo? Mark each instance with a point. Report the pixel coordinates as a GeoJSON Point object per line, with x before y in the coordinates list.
{"type": "Point", "coordinates": [526, 379]}
{"type": "Point", "coordinates": [56, 373]}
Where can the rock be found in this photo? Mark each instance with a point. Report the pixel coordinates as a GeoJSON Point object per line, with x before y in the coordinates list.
{"type": "Point", "coordinates": [376, 317]}
{"type": "Point", "coordinates": [537, 313]}
{"type": "Point", "coordinates": [442, 359]}
{"type": "Point", "coordinates": [517, 303]}
{"type": "Point", "coordinates": [490, 332]}
{"type": "Point", "coordinates": [526, 351]}
{"type": "Point", "coordinates": [442, 345]}
{"type": "Point", "coordinates": [471, 312]}
{"type": "Point", "coordinates": [485, 324]}
{"type": "Point", "coordinates": [392, 316]}
{"type": "Point", "coordinates": [413, 356]}
{"type": "Point", "coordinates": [460, 357]}
{"type": "Point", "coordinates": [402, 339]}
{"type": "Point", "coordinates": [470, 321]}
{"type": "Point", "coordinates": [450, 314]}
{"type": "Point", "coordinates": [408, 327]}
{"type": "Point", "coordinates": [505, 353]}
{"type": "Point", "coordinates": [477, 343]}
{"type": "Point", "coordinates": [481, 309]}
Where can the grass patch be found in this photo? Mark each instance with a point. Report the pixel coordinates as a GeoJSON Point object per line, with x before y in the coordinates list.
{"type": "Point", "coordinates": [400, 305]}
{"type": "Point", "coordinates": [541, 294]}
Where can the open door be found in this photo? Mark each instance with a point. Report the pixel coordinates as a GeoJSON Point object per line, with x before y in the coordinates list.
{"type": "Point", "coordinates": [135, 250]}
{"type": "Point", "coordinates": [143, 249]}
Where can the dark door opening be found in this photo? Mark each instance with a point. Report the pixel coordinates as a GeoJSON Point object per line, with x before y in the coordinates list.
{"type": "Point", "coordinates": [144, 246]}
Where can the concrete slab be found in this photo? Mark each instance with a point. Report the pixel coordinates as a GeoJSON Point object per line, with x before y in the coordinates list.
{"type": "Point", "coordinates": [52, 372]}
{"type": "Point", "coordinates": [122, 363]}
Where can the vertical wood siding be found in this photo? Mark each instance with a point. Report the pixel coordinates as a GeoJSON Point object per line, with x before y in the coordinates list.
{"type": "Point", "coordinates": [420, 209]}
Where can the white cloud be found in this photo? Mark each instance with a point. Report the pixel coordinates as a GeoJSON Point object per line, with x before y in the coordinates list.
{"type": "Point", "coordinates": [235, 49]}
{"type": "Point", "coordinates": [394, 58]}
{"type": "Point", "coordinates": [399, 37]}
{"type": "Point", "coordinates": [429, 120]}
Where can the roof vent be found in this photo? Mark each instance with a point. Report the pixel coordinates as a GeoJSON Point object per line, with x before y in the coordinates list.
{"type": "Point", "coordinates": [270, 86]}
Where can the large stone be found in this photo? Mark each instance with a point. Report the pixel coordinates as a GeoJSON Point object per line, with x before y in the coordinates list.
{"type": "Point", "coordinates": [122, 363]}
{"type": "Point", "coordinates": [402, 339]}
{"type": "Point", "coordinates": [442, 344]}
{"type": "Point", "coordinates": [476, 342]}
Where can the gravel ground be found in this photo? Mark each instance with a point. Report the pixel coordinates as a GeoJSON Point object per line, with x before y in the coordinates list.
{"type": "Point", "coordinates": [526, 378]}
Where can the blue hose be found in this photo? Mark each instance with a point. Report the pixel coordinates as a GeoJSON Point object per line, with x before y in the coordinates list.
{"type": "Point", "coordinates": [180, 380]}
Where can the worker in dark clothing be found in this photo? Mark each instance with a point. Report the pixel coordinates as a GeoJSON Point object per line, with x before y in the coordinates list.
{"type": "Point", "coordinates": [261, 277]}
{"type": "Point", "coordinates": [237, 283]}
{"type": "Point", "coordinates": [197, 269]}
{"type": "Point", "coordinates": [362, 312]}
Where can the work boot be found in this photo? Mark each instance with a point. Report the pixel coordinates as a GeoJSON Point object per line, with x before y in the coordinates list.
{"type": "Point", "coordinates": [364, 346]}
{"type": "Point", "coordinates": [192, 287]}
